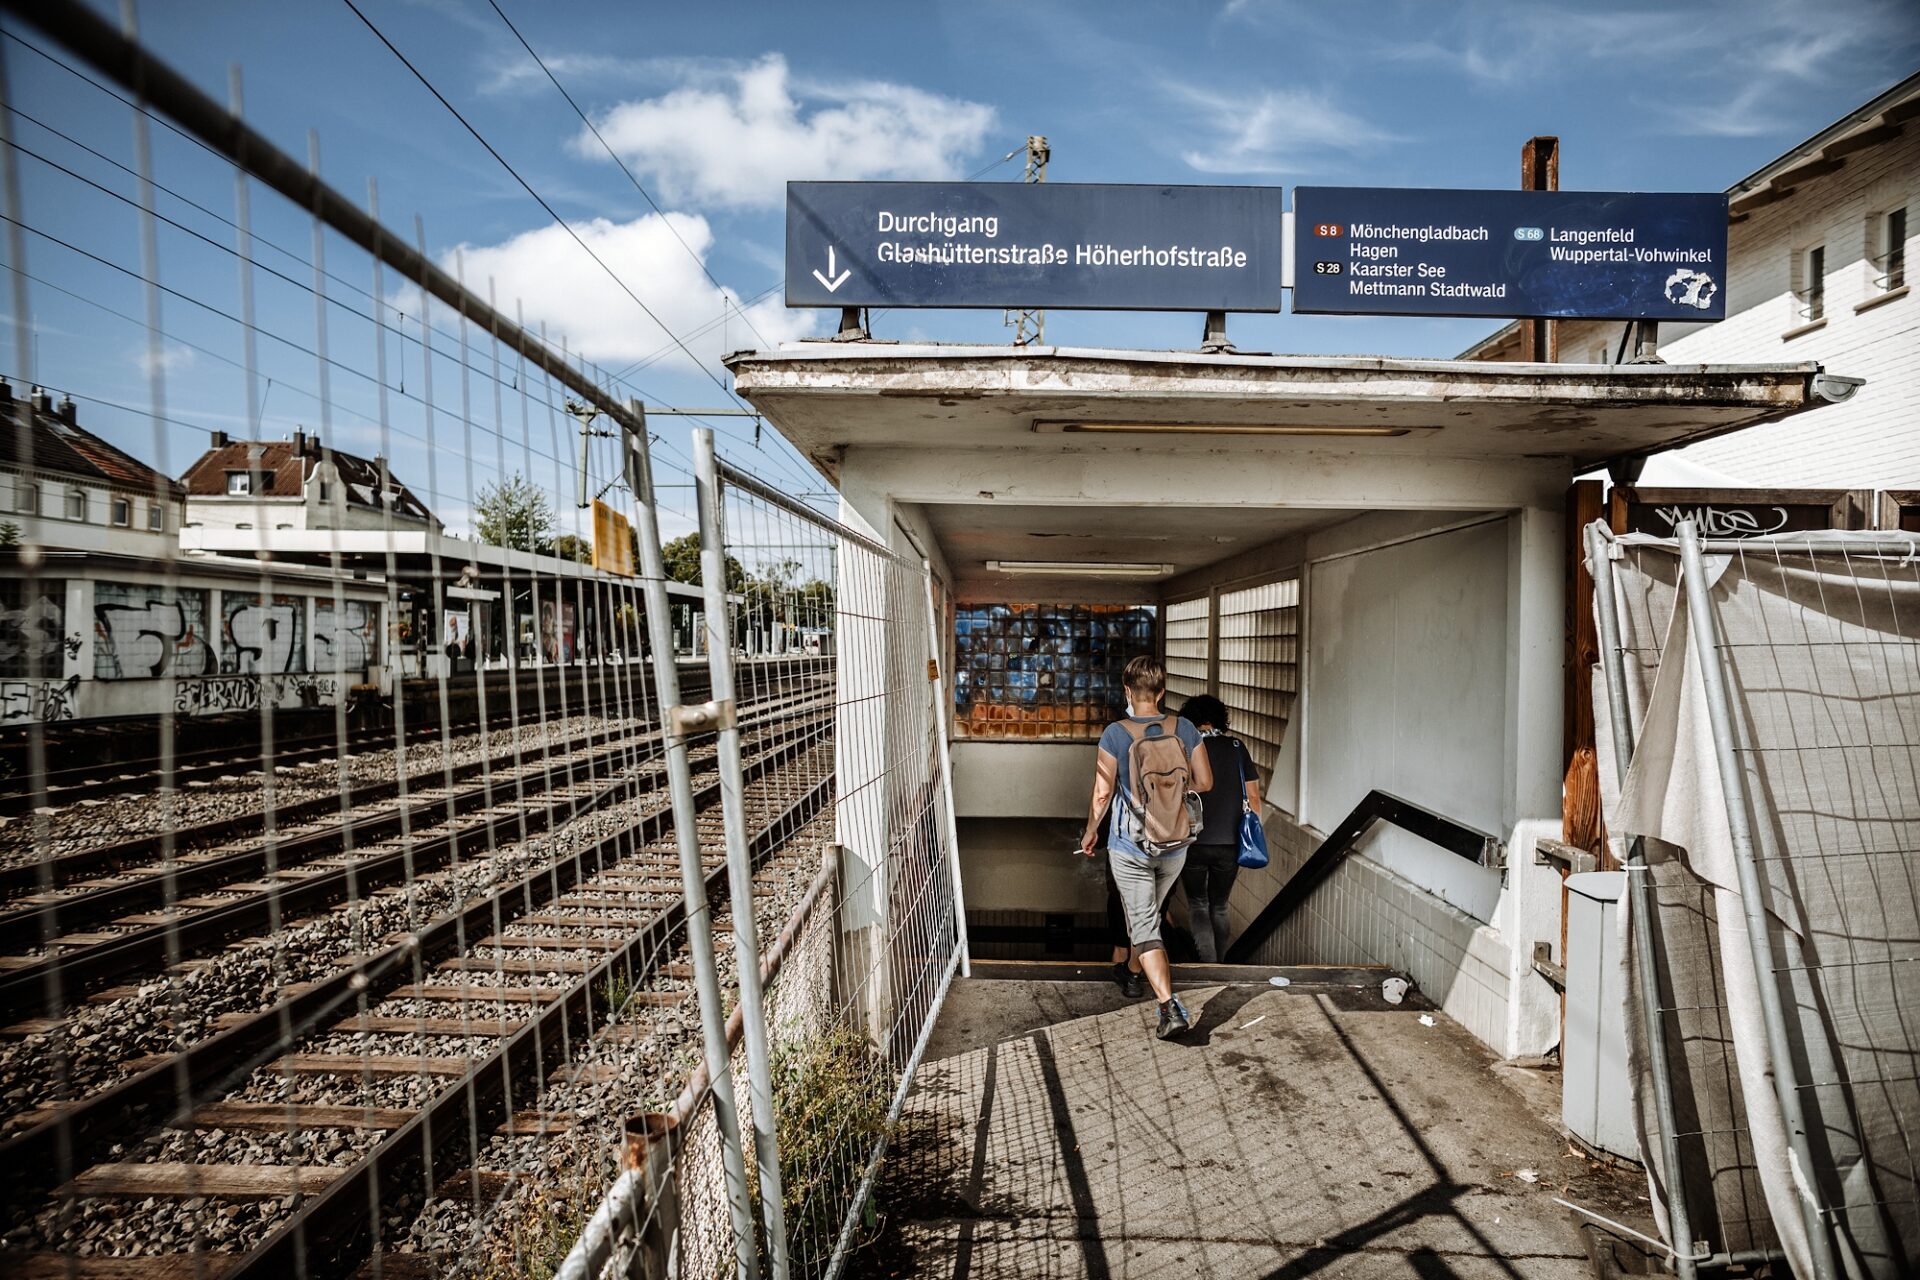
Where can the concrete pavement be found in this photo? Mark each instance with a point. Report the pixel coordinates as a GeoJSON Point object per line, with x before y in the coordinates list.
{"type": "Point", "coordinates": [1310, 1131]}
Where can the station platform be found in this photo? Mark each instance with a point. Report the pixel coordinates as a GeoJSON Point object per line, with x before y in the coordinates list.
{"type": "Point", "coordinates": [1311, 1130]}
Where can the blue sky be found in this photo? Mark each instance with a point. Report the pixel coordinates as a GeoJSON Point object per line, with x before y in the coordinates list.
{"type": "Point", "coordinates": [714, 106]}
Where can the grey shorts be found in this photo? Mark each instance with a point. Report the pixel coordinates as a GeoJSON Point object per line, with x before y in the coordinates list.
{"type": "Point", "coordinates": [1144, 884]}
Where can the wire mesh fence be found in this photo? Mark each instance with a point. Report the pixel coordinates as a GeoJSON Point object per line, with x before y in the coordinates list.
{"type": "Point", "coordinates": [1781, 903]}
{"type": "Point", "coordinates": [342, 892]}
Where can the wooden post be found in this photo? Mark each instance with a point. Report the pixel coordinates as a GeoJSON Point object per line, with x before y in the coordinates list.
{"type": "Point", "coordinates": [1580, 821]}
{"type": "Point", "coordinates": [1540, 171]}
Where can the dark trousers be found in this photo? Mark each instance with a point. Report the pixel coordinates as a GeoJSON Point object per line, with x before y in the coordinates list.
{"type": "Point", "coordinates": [1208, 879]}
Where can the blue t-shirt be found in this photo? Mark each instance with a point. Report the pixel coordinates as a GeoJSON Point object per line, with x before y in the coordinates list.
{"type": "Point", "coordinates": [1118, 743]}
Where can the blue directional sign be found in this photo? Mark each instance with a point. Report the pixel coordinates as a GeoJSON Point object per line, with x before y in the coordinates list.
{"type": "Point", "coordinates": [1061, 246]}
{"type": "Point", "coordinates": [1599, 255]}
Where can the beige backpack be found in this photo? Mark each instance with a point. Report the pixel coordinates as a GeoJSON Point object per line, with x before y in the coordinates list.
{"type": "Point", "coordinates": [1159, 811]}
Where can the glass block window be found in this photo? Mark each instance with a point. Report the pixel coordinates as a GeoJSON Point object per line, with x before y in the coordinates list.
{"type": "Point", "coordinates": [1044, 671]}
{"type": "Point", "coordinates": [1259, 664]}
{"type": "Point", "coordinates": [1188, 639]}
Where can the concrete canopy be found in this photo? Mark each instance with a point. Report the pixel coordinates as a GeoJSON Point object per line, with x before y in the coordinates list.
{"type": "Point", "coordinates": [827, 398]}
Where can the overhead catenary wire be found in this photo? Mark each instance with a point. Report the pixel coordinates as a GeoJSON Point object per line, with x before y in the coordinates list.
{"type": "Point", "coordinates": [537, 197]}
{"type": "Point", "coordinates": [613, 155]}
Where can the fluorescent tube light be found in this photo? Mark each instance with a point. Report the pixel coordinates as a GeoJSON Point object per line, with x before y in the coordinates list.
{"type": "Point", "coordinates": [1218, 429]}
{"type": "Point", "coordinates": [1079, 568]}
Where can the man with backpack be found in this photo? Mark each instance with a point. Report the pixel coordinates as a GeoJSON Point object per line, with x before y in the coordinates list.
{"type": "Point", "coordinates": [1151, 768]}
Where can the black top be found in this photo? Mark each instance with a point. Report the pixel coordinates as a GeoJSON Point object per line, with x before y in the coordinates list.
{"type": "Point", "coordinates": [1224, 803]}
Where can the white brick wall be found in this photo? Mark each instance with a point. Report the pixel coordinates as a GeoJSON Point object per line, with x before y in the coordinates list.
{"type": "Point", "coordinates": [1872, 441]}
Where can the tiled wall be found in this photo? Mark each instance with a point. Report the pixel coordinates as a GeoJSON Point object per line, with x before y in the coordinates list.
{"type": "Point", "coordinates": [1365, 914]}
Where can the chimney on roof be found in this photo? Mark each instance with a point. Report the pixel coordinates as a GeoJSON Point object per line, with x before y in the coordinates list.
{"type": "Point", "coordinates": [42, 400]}
{"type": "Point", "coordinates": [216, 439]}
{"type": "Point", "coordinates": [299, 444]}
{"type": "Point", "coordinates": [68, 414]}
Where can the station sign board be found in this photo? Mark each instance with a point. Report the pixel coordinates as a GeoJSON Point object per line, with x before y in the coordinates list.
{"type": "Point", "coordinates": [1061, 246]}
{"type": "Point", "coordinates": [1597, 255]}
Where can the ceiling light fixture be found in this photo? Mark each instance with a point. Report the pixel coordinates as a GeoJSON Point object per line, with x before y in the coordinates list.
{"type": "Point", "coordinates": [1079, 568]}
{"type": "Point", "coordinates": [1216, 429]}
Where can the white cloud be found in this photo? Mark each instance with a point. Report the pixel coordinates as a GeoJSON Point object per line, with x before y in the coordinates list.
{"type": "Point", "coordinates": [1279, 131]}
{"type": "Point", "coordinates": [558, 284]}
{"type": "Point", "coordinates": [171, 358]}
{"type": "Point", "coordinates": [735, 140]}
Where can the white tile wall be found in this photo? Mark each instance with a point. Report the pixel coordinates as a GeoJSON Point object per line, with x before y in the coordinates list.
{"type": "Point", "coordinates": [1365, 914]}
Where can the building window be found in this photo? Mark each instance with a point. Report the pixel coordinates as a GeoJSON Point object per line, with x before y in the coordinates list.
{"type": "Point", "coordinates": [1810, 284]}
{"type": "Point", "coordinates": [1889, 241]}
{"type": "Point", "coordinates": [239, 482]}
{"type": "Point", "coordinates": [157, 519]}
{"type": "Point", "coordinates": [26, 497]}
{"type": "Point", "coordinates": [326, 491]}
{"type": "Point", "coordinates": [122, 512]}
{"type": "Point", "coordinates": [76, 504]}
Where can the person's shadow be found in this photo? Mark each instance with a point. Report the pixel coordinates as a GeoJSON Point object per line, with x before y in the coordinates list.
{"type": "Point", "coordinates": [1220, 1009]}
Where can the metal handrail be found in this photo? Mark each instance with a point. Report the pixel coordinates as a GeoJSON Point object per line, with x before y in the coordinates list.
{"type": "Point", "coordinates": [1455, 837]}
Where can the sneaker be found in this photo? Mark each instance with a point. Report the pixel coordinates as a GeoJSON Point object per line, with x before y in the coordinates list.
{"type": "Point", "coordinates": [1132, 985]}
{"type": "Point", "coordinates": [1173, 1019]}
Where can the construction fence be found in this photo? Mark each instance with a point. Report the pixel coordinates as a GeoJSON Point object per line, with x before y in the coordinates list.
{"type": "Point", "coordinates": [765, 1164]}
{"type": "Point", "coordinates": [1763, 697]}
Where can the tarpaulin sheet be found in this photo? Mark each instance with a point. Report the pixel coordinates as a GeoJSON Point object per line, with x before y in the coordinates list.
{"type": "Point", "coordinates": [1822, 656]}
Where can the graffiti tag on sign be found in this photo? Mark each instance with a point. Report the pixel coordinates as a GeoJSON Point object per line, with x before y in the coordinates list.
{"type": "Point", "coordinates": [24, 701]}
{"type": "Point", "coordinates": [220, 694]}
{"type": "Point", "coordinates": [1727, 522]}
{"type": "Point", "coordinates": [343, 639]}
{"type": "Point", "coordinates": [263, 635]}
{"type": "Point", "coordinates": [30, 629]}
{"type": "Point", "coordinates": [142, 632]}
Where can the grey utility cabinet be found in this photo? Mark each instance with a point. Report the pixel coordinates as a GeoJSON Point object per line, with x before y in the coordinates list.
{"type": "Point", "coordinates": [1596, 1099]}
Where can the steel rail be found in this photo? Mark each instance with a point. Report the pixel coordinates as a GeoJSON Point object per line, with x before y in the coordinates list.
{"type": "Point", "coordinates": [168, 1092]}
{"type": "Point", "coordinates": [327, 1235]}
{"type": "Point", "coordinates": [121, 59]}
{"type": "Point", "coordinates": [109, 777]}
{"type": "Point", "coordinates": [61, 869]}
{"type": "Point", "coordinates": [23, 990]}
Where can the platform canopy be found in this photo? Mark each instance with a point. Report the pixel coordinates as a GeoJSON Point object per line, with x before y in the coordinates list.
{"type": "Point", "coordinates": [827, 397]}
{"type": "Point", "coordinates": [1175, 460]}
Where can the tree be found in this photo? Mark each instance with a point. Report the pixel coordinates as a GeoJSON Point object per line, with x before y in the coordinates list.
{"type": "Point", "coordinates": [682, 557]}
{"type": "Point", "coordinates": [514, 513]}
{"type": "Point", "coordinates": [570, 547]}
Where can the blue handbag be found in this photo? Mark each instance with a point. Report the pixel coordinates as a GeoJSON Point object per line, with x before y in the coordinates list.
{"type": "Point", "coordinates": [1253, 836]}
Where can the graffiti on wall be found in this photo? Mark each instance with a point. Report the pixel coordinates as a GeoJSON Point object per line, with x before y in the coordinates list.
{"type": "Point", "coordinates": [262, 635]}
{"type": "Point", "coordinates": [23, 701]}
{"type": "Point", "coordinates": [219, 694]}
{"type": "Point", "coordinates": [142, 632]}
{"type": "Point", "coordinates": [343, 639]}
{"type": "Point", "coordinates": [31, 625]}
{"type": "Point", "coordinates": [1044, 671]}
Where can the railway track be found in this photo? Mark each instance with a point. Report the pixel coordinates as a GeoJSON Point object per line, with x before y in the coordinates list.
{"type": "Point", "coordinates": [161, 906]}
{"type": "Point", "coordinates": [188, 765]}
{"type": "Point", "coordinates": [396, 1068]}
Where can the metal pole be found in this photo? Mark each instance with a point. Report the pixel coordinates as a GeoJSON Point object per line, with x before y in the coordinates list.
{"type": "Point", "coordinates": [746, 944]}
{"type": "Point", "coordinates": [686, 829]}
{"type": "Point", "coordinates": [1640, 899]}
{"type": "Point", "coordinates": [934, 647]}
{"type": "Point", "coordinates": [1705, 630]}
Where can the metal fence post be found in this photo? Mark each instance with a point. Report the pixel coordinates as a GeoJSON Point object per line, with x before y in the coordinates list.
{"type": "Point", "coordinates": [942, 744]}
{"type": "Point", "coordinates": [1640, 896]}
{"type": "Point", "coordinates": [746, 944]}
{"type": "Point", "coordinates": [693, 884]}
{"type": "Point", "coordinates": [1704, 630]}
